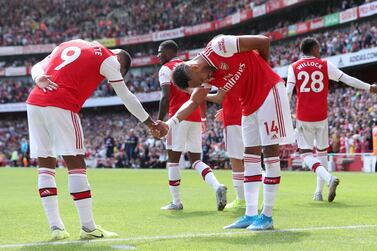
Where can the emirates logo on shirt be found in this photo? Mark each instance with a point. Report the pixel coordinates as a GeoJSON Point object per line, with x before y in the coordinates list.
{"type": "Point", "coordinates": [227, 77]}
{"type": "Point", "coordinates": [233, 80]}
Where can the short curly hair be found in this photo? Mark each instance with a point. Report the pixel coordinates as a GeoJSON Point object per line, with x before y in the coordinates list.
{"type": "Point", "coordinates": [180, 76]}
{"type": "Point", "coordinates": [307, 44]}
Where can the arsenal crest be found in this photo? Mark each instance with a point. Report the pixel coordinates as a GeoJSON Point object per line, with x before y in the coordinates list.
{"type": "Point", "coordinates": [224, 66]}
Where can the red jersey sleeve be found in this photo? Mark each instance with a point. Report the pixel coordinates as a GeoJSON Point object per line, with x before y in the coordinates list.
{"type": "Point", "coordinates": [110, 69]}
{"type": "Point", "coordinates": [219, 49]}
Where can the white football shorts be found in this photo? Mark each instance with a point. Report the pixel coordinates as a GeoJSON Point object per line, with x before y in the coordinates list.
{"type": "Point", "coordinates": [185, 137]}
{"type": "Point", "coordinates": [54, 131]}
{"type": "Point", "coordinates": [312, 134]}
{"type": "Point", "coordinates": [271, 124]}
{"type": "Point", "coordinates": [233, 141]}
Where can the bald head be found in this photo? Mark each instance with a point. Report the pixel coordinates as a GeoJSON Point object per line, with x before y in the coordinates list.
{"type": "Point", "coordinates": [124, 59]}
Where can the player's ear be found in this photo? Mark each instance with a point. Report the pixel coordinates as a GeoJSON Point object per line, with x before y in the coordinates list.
{"type": "Point", "coordinates": [194, 67]}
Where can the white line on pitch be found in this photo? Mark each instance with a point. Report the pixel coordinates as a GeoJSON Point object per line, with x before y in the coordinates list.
{"type": "Point", "coordinates": [183, 236]}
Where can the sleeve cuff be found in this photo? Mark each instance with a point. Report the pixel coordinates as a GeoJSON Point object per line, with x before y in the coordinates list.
{"type": "Point", "coordinates": [172, 122]}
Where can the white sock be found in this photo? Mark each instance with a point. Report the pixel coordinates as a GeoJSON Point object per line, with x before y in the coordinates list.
{"type": "Point", "coordinates": [207, 174]}
{"type": "Point", "coordinates": [252, 180]}
{"type": "Point", "coordinates": [49, 196]}
{"type": "Point", "coordinates": [237, 178]}
{"type": "Point", "coordinates": [79, 188]}
{"type": "Point", "coordinates": [322, 156]}
{"type": "Point", "coordinates": [174, 181]}
{"type": "Point", "coordinates": [314, 164]}
{"type": "Point", "coordinates": [271, 184]}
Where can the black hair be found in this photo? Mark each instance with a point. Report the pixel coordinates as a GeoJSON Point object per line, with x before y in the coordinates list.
{"type": "Point", "coordinates": [180, 77]}
{"type": "Point", "coordinates": [307, 45]}
{"type": "Point", "coordinates": [170, 45]}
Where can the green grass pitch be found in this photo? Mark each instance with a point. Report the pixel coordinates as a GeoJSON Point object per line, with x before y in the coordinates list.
{"type": "Point", "coordinates": [128, 202]}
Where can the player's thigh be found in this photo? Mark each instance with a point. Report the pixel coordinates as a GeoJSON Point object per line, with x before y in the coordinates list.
{"type": "Point", "coordinates": [233, 141]}
{"type": "Point", "coordinates": [169, 139]}
{"type": "Point", "coordinates": [250, 131]}
{"type": "Point", "coordinates": [194, 137]}
{"type": "Point", "coordinates": [305, 134]}
{"type": "Point", "coordinates": [40, 140]}
{"type": "Point", "coordinates": [179, 137]}
{"type": "Point", "coordinates": [66, 131]}
{"type": "Point", "coordinates": [274, 118]}
{"type": "Point", "coordinates": [322, 135]}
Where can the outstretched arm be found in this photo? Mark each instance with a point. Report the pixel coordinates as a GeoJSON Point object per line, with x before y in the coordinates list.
{"type": "Point", "coordinates": [110, 69]}
{"type": "Point", "coordinates": [354, 82]}
{"type": "Point", "coordinates": [130, 101]}
{"type": "Point", "coordinates": [196, 99]}
{"type": "Point", "coordinates": [338, 75]}
{"type": "Point", "coordinates": [216, 98]}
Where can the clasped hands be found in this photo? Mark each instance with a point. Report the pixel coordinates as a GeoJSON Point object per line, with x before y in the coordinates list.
{"type": "Point", "coordinates": [158, 129]}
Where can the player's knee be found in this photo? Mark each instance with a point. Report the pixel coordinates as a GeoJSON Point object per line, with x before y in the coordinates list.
{"type": "Point", "coordinates": [75, 162]}
{"type": "Point", "coordinates": [271, 151]}
{"type": "Point", "coordinates": [48, 162]}
{"type": "Point", "coordinates": [255, 150]}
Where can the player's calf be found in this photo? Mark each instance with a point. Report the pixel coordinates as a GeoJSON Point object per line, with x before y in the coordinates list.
{"type": "Point", "coordinates": [48, 193]}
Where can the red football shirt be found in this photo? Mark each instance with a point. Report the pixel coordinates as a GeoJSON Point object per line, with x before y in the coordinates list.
{"type": "Point", "coordinates": [245, 75]}
{"type": "Point", "coordinates": [311, 76]}
{"type": "Point", "coordinates": [232, 110]}
{"type": "Point", "coordinates": [78, 67]}
{"type": "Point", "coordinates": [177, 96]}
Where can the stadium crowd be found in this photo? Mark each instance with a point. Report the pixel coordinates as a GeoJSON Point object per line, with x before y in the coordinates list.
{"type": "Point", "coordinates": [117, 140]}
{"type": "Point", "coordinates": [41, 22]}
{"type": "Point", "coordinates": [333, 42]}
{"type": "Point", "coordinates": [53, 21]}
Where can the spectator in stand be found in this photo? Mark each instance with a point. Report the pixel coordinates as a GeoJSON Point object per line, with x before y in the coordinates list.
{"type": "Point", "coordinates": [109, 145]}
{"type": "Point", "coordinates": [15, 158]}
{"type": "Point", "coordinates": [130, 147]}
{"type": "Point", "coordinates": [120, 160]}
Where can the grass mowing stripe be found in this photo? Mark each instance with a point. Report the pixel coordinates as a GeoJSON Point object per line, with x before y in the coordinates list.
{"type": "Point", "coordinates": [183, 236]}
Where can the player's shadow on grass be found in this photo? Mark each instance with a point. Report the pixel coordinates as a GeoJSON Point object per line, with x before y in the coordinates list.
{"type": "Point", "coordinates": [65, 247]}
{"type": "Point", "coordinates": [193, 214]}
{"type": "Point", "coordinates": [258, 238]}
{"type": "Point", "coordinates": [187, 214]}
{"type": "Point", "coordinates": [334, 204]}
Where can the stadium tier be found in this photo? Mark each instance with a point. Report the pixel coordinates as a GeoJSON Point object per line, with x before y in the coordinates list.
{"type": "Point", "coordinates": [346, 30]}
